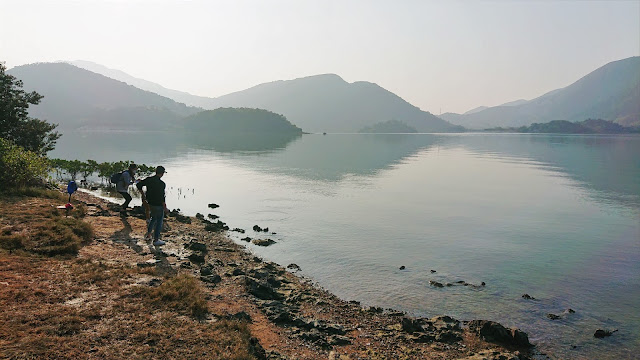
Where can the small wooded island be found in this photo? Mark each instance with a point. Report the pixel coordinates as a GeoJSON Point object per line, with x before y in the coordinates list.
{"type": "Point", "coordinates": [239, 120]}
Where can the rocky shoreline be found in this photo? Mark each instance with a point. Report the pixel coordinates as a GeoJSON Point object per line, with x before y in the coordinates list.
{"type": "Point", "coordinates": [289, 317]}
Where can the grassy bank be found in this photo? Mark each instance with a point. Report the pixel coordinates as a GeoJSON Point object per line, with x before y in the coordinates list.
{"type": "Point", "coordinates": [59, 303]}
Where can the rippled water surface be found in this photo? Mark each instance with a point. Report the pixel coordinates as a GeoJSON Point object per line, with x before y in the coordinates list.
{"type": "Point", "coordinates": [555, 217]}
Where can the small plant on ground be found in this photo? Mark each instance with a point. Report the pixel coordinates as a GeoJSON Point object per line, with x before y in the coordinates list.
{"type": "Point", "coordinates": [182, 293]}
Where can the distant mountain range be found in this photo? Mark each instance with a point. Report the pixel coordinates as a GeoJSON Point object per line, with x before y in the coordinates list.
{"type": "Point", "coordinates": [611, 92]}
{"type": "Point", "coordinates": [321, 103]}
{"type": "Point", "coordinates": [81, 98]}
{"type": "Point", "coordinates": [179, 96]}
{"type": "Point", "coordinates": [76, 98]}
{"type": "Point", "coordinates": [85, 95]}
{"type": "Point", "coordinates": [327, 103]}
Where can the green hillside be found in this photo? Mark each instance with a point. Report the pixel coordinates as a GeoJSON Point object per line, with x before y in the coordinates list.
{"type": "Point", "coordinates": [238, 120]}
{"type": "Point", "coordinates": [327, 103]}
{"type": "Point", "coordinates": [76, 98]}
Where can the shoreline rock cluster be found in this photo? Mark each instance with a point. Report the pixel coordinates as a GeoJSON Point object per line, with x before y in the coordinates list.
{"type": "Point", "coordinates": [305, 314]}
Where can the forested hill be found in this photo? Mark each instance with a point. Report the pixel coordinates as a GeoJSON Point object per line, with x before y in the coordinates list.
{"type": "Point", "coordinates": [76, 98]}
{"type": "Point", "coordinates": [327, 103]}
{"type": "Point", "coordinates": [589, 126]}
{"type": "Point", "coordinates": [238, 120]}
{"type": "Point", "coordinates": [611, 92]}
{"type": "Point", "coordinates": [388, 127]}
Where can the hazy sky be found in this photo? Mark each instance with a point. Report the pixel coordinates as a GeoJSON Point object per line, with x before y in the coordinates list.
{"type": "Point", "coordinates": [448, 56]}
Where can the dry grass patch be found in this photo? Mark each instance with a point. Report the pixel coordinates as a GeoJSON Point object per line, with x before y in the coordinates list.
{"type": "Point", "coordinates": [62, 308]}
{"type": "Point", "coordinates": [182, 293]}
{"type": "Point", "coordinates": [35, 225]}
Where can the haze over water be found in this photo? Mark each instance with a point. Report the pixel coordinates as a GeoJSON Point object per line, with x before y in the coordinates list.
{"type": "Point", "coordinates": [553, 216]}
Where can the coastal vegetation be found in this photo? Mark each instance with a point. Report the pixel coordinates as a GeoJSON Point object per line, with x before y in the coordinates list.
{"type": "Point", "coordinates": [388, 127]}
{"type": "Point", "coordinates": [65, 170]}
{"type": "Point", "coordinates": [589, 126]}
{"type": "Point", "coordinates": [16, 126]}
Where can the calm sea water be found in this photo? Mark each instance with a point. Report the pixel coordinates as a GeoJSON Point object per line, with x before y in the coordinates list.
{"type": "Point", "coordinates": [556, 217]}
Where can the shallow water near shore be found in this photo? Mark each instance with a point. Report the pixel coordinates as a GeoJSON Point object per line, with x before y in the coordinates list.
{"type": "Point", "coordinates": [553, 216]}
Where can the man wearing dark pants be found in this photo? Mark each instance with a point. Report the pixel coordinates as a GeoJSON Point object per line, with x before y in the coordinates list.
{"type": "Point", "coordinates": [155, 198]}
{"type": "Point", "coordinates": [127, 178]}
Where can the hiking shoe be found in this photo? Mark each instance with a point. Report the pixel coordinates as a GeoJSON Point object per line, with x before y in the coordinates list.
{"type": "Point", "coordinates": [158, 243]}
{"type": "Point", "coordinates": [147, 236]}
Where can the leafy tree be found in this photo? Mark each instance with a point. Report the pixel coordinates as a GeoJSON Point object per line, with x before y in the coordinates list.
{"type": "Point", "coordinates": [20, 167]}
{"type": "Point", "coordinates": [33, 135]}
{"type": "Point", "coordinates": [88, 168]}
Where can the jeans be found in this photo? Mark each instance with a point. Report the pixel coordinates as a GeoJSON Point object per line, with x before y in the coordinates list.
{"type": "Point", "coordinates": [155, 223]}
{"type": "Point", "coordinates": [127, 199]}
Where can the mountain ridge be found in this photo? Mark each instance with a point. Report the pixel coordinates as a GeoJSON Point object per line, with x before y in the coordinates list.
{"type": "Point", "coordinates": [76, 98]}
{"type": "Point", "coordinates": [296, 99]}
{"type": "Point", "coordinates": [611, 92]}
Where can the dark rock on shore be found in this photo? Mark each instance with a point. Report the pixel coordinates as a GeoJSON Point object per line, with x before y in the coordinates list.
{"type": "Point", "coordinates": [241, 231]}
{"type": "Point", "coordinates": [603, 333]}
{"type": "Point", "coordinates": [294, 267]}
{"type": "Point", "coordinates": [247, 239]}
{"type": "Point", "coordinates": [402, 267]}
{"type": "Point", "coordinates": [212, 279]}
{"type": "Point", "coordinates": [206, 270]}
{"type": "Point", "coordinates": [410, 325]}
{"type": "Point", "coordinates": [216, 226]}
{"type": "Point", "coordinates": [261, 289]}
{"type": "Point", "coordinates": [553, 316]}
{"type": "Point", "coordinates": [197, 258]}
{"type": "Point", "coordinates": [197, 246]}
{"type": "Point", "coordinates": [212, 216]}
{"type": "Point", "coordinates": [435, 284]}
{"type": "Point", "coordinates": [257, 228]}
{"type": "Point", "coordinates": [442, 329]}
{"type": "Point", "coordinates": [213, 206]}
{"type": "Point", "coordinates": [175, 213]}
{"type": "Point", "coordinates": [494, 332]}
{"type": "Point", "coordinates": [263, 242]}
{"type": "Point", "coordinates": [528, 297]}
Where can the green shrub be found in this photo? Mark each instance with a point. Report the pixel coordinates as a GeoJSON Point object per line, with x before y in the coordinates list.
{"type": "Point", "coordinates": [19, 167]}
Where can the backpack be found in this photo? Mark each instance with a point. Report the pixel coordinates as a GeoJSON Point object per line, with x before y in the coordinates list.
{"type": "Point", "coordinates": [115, 178]}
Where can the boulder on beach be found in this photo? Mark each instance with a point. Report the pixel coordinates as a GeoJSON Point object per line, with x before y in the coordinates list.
{"type": "Point", "coordinates": [213, 206]}
{"type": "Point", "coordinates": [492, 331]}
{"type": "Point", "coordinates": [263, 242]}
{"type": "Point", "coordinates": [603, 333]}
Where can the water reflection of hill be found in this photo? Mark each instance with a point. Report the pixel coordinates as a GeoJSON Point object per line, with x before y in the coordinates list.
{"type": "Point", "coordinates": [142, 147]}
{"type": "Point", "coordinates": [334, 156]}
{"type": "Point", "coordinates": [240, 142]}
{"type": "Point", "coordinates": [607, 164]}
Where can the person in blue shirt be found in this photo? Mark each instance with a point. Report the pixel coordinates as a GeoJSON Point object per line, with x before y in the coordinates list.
{"type": "Point", "coordinates": [154, 196]}
{"type": "Point", "coordinates": [127, 178]}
